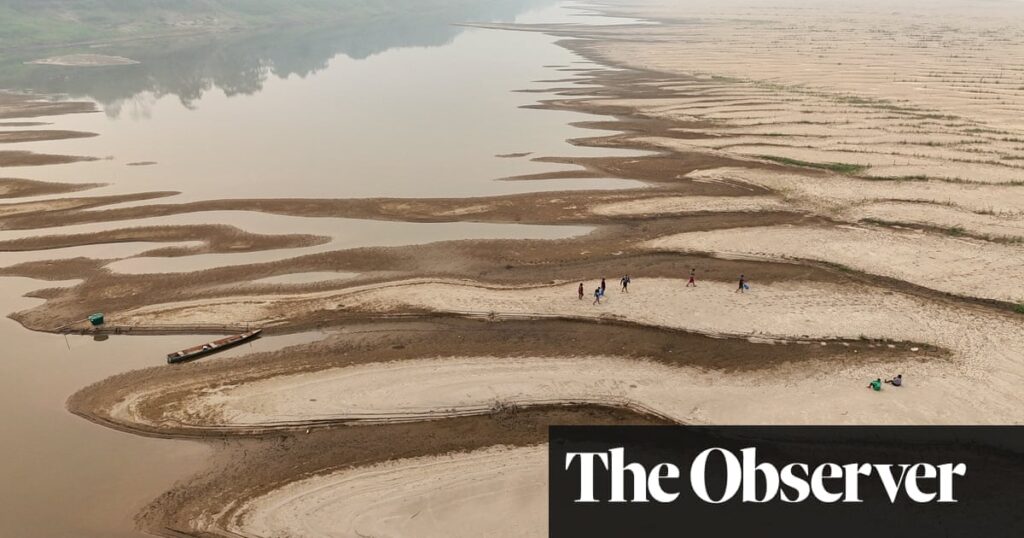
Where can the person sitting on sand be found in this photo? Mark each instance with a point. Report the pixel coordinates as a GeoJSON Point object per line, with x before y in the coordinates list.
{"type": "Point", "coordinates": [875, 385]}
{"type": "Point", "coordinates": [581, 291]}
{"type": "Point", "coordinates": [597, 296]}
{"type": "Point", "coordinates": [896, 381]}
{"type": "Point", "coordinates": [693, 276]}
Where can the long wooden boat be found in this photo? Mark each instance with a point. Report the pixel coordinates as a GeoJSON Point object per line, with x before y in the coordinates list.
{"type": "Point", "coordinates": [193, 353]}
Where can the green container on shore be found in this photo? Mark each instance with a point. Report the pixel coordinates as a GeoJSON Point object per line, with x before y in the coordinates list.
{"type": "Point", "coordinates": [96, 319]}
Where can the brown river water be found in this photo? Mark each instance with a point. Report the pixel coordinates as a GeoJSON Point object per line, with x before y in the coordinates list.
{"type": "Point", "coordinates": [406, 108]}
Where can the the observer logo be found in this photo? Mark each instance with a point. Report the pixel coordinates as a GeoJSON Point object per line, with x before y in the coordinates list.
{"type": "Point", "coordinates": [838, 482]}
{"type": "Point", "coordinates": [760, 482]}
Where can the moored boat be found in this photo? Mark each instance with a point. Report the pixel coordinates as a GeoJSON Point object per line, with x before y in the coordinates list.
{"type": "Point", "coordinates": [196, 352]}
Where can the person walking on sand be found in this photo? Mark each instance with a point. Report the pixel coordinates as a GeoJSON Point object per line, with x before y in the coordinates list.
{"type": "Point", "coordinates": [743, 285]}
{"type": "Point", "coordinates": [693, 279]}
{"type": "Point", "coordinates": [896, 381]}
{"type": "Point", "coordinates": [625, 283]}
{"type": "Point", "coordinates": [603, 286]}
{"type": "Point", "coordinates": [581, 291]}
{"type": "Point", "coordinates": [597, 296]}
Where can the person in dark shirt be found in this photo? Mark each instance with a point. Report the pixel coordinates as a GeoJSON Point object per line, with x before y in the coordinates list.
{"type": "Point", "coordinates": [743, 285]}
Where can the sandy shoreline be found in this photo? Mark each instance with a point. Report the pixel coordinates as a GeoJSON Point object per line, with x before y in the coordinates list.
{"type": "Point", "coordinates": [452, 495]}
{"type": "Point", "coordinates": [980, 345]}
{"type": "Point", "coordinates": [878, 219]}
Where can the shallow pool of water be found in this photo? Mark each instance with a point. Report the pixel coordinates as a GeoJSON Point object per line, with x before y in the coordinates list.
{"type": "Point", "coordinates": [345, 234]}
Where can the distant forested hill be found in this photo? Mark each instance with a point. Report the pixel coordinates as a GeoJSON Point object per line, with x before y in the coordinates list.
{"type": "Point", "coordinates": [37, 23]}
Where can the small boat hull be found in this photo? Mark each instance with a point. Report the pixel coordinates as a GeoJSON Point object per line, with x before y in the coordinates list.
{"type": "Point", "coordinates": [197, 352]}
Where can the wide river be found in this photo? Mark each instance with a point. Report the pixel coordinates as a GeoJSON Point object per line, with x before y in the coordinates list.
{"type": "Point", "coordinates": [412, 107]}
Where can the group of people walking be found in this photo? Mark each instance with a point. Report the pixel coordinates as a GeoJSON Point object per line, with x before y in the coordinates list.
{"type": "Point", "coordinates": [742, 287]}
{"type": "Point", "coordinates": [625, 280]}
{"type": "Point", "coordinates": [599, 292]}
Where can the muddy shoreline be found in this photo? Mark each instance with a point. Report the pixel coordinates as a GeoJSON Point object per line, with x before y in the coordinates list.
{"type": "Point", "coordinates": [368, 340]}
{"type": "Point", "coordinates": [250, 466]}
{"type": "Point", "coordinates": [799, 338]}
{"type": "Point", "coordinates": [611, 246]}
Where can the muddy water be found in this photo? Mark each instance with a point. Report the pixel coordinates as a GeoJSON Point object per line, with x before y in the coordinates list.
{"type": "Point", "coordinates": [64, 476]}
{"type": "Point", "coordinates": [350, 233]}
{"type": "Point", "coordinates": [412, 108]}
{"type": "Point", "coordinates": [407, 122]}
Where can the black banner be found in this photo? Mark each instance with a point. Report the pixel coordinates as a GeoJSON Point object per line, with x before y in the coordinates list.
{"type": "Point", "coordinates": [793, 481]}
